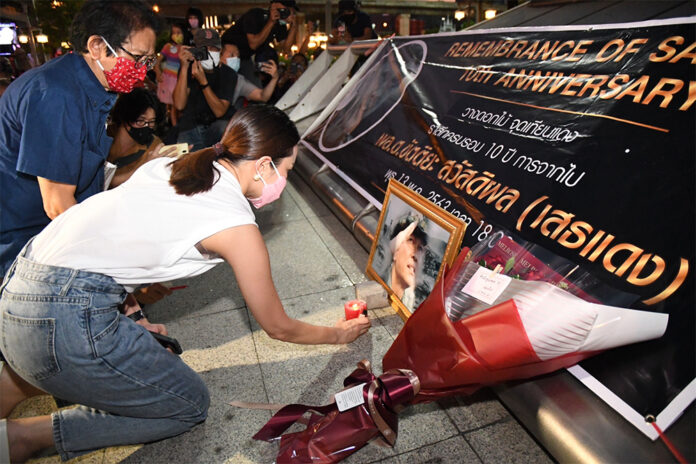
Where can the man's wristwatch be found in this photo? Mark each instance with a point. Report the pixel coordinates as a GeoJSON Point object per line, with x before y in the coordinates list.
{"type": "Point", "coordinates": [136, 316]}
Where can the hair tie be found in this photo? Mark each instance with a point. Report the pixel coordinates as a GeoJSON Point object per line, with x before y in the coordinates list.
{"type": "Point", "coordinates": [219, 149]}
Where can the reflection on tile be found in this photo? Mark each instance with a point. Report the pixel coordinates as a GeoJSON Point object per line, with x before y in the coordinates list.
{"type": "Point", "coordinates": [36, 406]}
{"type": "Point", "coordinates": [454, 450]}
{"type": "Point", "coordinates": [308, 202]}
{"type": "Point", "coordinates": [282, 210]}
{"type": "Point", "coordinates": [215, 341]}
{"type": "Point", "coordinates": [95, 457]}
{"type": "Point", "coordinates": [390, 319]}
{"type": "Point", "coordinates": [345, 249]}
{"type": "Point", "coordinates": [506, 442]}
{"type": "Point", "coordinates": [300, 262]}
{"type": "Point", "coordinates": [421, 425]}
{"type": "Point", "coordinates": [212, 292]}
{"type": "Point", "coordinates": [311, 374]}
{"type": "Point", "coordinates": [474, 411]}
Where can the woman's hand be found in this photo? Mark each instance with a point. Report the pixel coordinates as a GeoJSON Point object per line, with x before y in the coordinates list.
{"type": "Point", "coordinates": [157, 328]}
{"type": "Point", "coordinates": [352, 329]}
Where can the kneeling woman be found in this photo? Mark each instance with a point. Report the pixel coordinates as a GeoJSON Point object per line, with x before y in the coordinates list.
{"type": "Point", "coordinates": [60, 326]}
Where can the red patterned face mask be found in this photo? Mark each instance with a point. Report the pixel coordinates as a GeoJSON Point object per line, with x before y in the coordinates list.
{"type": "Point", "coordinates": [125, 76]}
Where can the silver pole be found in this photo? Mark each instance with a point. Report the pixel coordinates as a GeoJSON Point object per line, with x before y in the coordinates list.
{"type": "Point", "coordinates": [327, 17]}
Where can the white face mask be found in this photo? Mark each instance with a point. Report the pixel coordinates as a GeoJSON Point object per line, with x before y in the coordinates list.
{"type": "Point", "coordinates": [233, 62]}
{"type": "Point", "coordinates": [212, 61]}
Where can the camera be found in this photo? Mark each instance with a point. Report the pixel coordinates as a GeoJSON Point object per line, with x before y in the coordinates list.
{"type": "Point", "coordinates": [199, 53]}
{"type": "Point", "coordinates": [284, 13]}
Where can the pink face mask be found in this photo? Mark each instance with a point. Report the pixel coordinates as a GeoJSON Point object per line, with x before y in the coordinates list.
{"type": "Point", "coordinates": [271, 192]}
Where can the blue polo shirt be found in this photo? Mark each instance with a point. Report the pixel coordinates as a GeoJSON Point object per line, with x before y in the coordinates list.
{"type": "Point", "coordinates": [52, 125]}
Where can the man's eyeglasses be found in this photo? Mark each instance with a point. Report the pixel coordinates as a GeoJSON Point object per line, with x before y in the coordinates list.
{"type": "Point", "coordinates": [142, 60]}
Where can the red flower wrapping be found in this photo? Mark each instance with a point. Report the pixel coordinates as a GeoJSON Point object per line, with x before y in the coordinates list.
{"type": "Point", "coordinates": [452, 358]}
{"type": "Point", "coordinates": [332, 435]}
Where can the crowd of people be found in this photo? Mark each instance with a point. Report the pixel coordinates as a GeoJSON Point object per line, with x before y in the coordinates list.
{"type": "Point", "coordinates": [96, 213]}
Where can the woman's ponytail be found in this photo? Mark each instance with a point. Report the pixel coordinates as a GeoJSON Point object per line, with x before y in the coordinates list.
{"type": "Point", "coordinates": [195, 172]}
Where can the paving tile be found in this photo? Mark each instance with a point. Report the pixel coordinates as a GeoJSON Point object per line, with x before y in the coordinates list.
{"type": "Point", "coordinates": [372, 453]}
{"type": "Point", "coordinates": [345, 249]}
{"type": "Point", "coordinates": [300, 262]}
{"type": "Point", "coordinates": [422, 424]}
{"type": "Point", "coordinates": [474, 411]}
{"type": "Point", "coordinates": [95, 457]}
{"type": "Point", "coordinates": [389, 460]}
{"type": "Point", "coordinates": [312, 374]}
{"type": "Point", "coordinates": [506, 442]}
{"type": "Point", "coordinates": [305, 198]}
{"type": "Point", "coordinates": [209, 293]}
{"type": "Point", "coordinates": [282, 210]}
{"type": "Point", "coordinates": [35, 406]}
{"type": "Point", "coordinates": [216, 341]}
{"type": "Point", "coordinates": [454, 450]}
{"type": "Point", "coordinates": [390, 319]}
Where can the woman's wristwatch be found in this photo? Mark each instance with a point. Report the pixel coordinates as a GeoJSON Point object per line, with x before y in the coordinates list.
{"type": "Point", "coordinates": [136, 316]}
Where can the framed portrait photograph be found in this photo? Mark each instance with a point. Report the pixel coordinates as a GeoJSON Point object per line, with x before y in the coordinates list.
{"type": "Point", "coordinates": [415, 239]}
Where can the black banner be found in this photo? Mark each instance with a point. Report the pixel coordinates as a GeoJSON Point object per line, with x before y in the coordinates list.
{"type": "Point", "coordinates": [581, 141]}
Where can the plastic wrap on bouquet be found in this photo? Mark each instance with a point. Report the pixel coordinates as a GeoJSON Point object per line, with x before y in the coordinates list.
{"type": "Point", "coordinates": [469, 333]}
{"type": "Point", "coordinates": [332, 435]}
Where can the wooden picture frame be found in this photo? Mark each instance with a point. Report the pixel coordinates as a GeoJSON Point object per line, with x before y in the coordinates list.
{"type": "Point", "coordinates": [415, 239]}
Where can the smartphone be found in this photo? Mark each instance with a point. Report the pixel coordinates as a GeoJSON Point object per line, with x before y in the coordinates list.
{"type": "Point", "coordinates": [168, 342]}
{"type": "Point", "coordinates": [181, 149]}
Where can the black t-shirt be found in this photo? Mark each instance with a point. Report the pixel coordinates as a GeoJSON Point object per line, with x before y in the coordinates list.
{"type": "Point", "coordinates": [223, 81]}
{"type": "Point", "coordinates": [252, 22]}
{"type": "Point", "coordinates": [357, 29]}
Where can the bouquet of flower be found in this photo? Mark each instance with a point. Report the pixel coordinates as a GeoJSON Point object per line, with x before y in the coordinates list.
{"type": "Point", "coordinates": [486, 324]}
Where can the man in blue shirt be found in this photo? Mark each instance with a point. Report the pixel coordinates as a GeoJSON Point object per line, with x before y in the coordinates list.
{"type": "Point", "coordinates": [53, 140]}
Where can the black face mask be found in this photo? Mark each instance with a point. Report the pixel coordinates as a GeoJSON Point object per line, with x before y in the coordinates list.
{"type": "Point", "coordinates": [142, 135]}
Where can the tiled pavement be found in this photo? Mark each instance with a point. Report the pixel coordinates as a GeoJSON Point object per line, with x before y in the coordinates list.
{"type": "Point", "coordinates": [315, 263]}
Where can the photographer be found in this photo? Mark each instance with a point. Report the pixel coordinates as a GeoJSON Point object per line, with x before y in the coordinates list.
{"type": "Point", "coordinates": [351, 24]}
{"type": "Point", "coordinates": [208, 86]}
{"type": "Point", "coordinates": [257, 28]}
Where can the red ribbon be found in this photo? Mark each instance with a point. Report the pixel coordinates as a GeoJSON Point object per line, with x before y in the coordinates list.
{"type": "Point", "coordinates": [332, 435]}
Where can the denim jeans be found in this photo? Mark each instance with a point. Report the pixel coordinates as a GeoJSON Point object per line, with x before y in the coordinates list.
{"type": "Point", "coordinates": [61, 330]}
